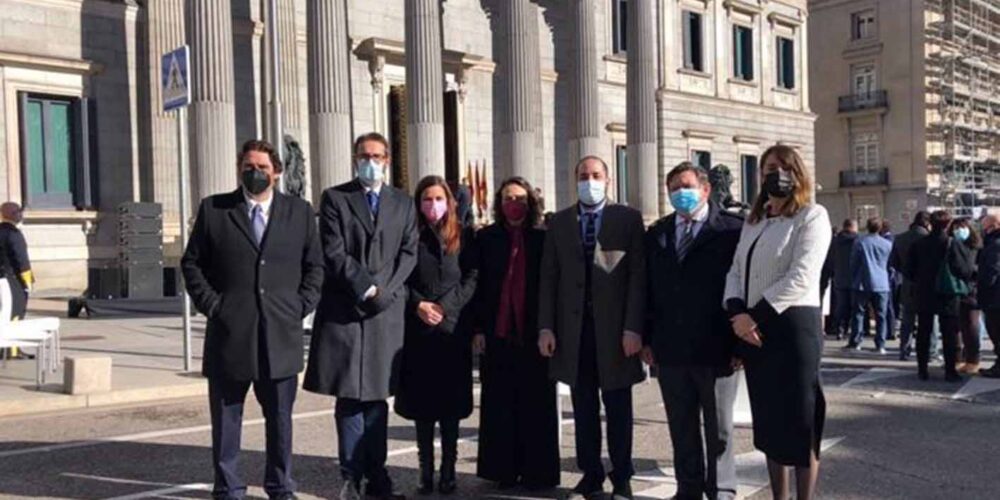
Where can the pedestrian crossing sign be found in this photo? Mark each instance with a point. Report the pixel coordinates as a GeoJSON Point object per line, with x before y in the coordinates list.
{"type": "Point", "coordinates": [176, 89]}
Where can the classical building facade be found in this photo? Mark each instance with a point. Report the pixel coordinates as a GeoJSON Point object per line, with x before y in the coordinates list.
{"type": "Point", "coordinates": [488, 87]}
{"type": "Point", "coordinates": [909, 117]}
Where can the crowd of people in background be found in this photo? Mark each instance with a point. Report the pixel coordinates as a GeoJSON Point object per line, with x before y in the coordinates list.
{"type": "Point", "coordinates": [408, 293]}
{"type": "Point", "coordinates": [938, 282]}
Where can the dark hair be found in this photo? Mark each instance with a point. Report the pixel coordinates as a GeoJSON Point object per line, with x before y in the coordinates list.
{"type": "Point", "coordinates": [886, 226]}
{"type": "Point", "coordinates": [874, 225]}
{"type": "Point", "coordinates": [686, 166]}
{"type": "Point", "coordinates": [534, 215]}
{"type": "Point", "coordinates": [372, 136]}
{"type": "Point", "coordinates": [791, 161]}
{"type": "Point", "coordinates": [576, 169]}
{"type": "Point", "coordinates": [847, 224]}
{"type": "Point", "coordinates": [260, 146]}
{"type": "Point", "coordinates": [449, 228]}
{"type": "Point", "coordinates": [974, 240]}
{"type": "Point", "coordinates": [922, 218]}
{"type": "Point", "coordinates": [940, 221]}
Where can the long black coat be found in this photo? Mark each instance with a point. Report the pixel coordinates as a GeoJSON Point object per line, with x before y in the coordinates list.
{"type": "Point", "coordinates": [356, 344]}
{"type": "Point", "coordinates": [435, 382]}
{"type": "Point", "coordinates": [988, 279]}
{"type": "Point", "coordinates": [688, 325]}
{"type": "Point", "coordinates": [236, 283]}
{"type": "Point", "coordinates": [519, 425]}
{"type": "Point", "coordinates": [926, 258]}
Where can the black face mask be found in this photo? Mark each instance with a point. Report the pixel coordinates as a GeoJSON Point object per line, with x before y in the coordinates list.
{"type": "Point", "coordinates": [778, 186]}
{"type": "Point", "coordinates": [255, 181]}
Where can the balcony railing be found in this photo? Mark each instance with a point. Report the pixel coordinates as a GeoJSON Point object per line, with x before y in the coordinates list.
{"type": "Point", "coordinates": [871, 177]}
{"type": "Point", "coordinates": [868, 100]}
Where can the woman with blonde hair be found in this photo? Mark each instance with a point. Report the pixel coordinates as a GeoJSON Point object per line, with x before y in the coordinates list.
{"type": "Point", "coordinates": [773, 298]}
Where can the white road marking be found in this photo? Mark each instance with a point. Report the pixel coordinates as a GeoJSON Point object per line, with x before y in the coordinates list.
{"type": "Point", "coordinates": [751, 469]}
{"type": "Point", "coordinates": [976, 386]}
{"type": "Point", "coordinates": [165, 488]}
{"type": "Point", "coordinates": [875, 375]}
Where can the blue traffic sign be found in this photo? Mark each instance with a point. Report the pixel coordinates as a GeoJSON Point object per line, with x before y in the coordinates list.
{"type": "Point", "coordinates": [175, 69]}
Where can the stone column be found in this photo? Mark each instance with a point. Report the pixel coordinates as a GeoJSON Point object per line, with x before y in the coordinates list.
{"type": "Point", "coordinates": [288, 81]}
{"type": "Point", "coordinates": [212, 113]}
{"type": "Point", "coordinates": [522, 80]}
{"type": "Point", "coordinates": [166, 32]}
{"type": "Point", "coordinates": [329, 94]}
{"type": "Point", "coordinates": [424, 90]}
{"type": "Point", "coordinates": [644, 183]}
{"type": "Point", "coordinates": [585, 109]}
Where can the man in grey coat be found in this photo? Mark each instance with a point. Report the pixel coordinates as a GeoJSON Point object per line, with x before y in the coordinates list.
{"type": "Point", "coordinates": [369, 235]}
{"type": "Point", "coordinates": [591, 316]}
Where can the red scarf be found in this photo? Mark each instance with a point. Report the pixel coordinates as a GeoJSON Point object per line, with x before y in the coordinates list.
{"type": "Point", "coordinates": [512, 293]}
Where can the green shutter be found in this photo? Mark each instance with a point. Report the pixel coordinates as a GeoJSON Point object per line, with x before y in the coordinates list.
{"type": "Point", "coordinates": [60, 148]}
{"type": "Point", "coordinates": [34, 141]}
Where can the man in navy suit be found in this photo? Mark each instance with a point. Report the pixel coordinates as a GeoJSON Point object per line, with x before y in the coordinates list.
{"type": "Point", "coordinates": [688, 254]}
{"type": "Point", "coordinates": [253, 267]}
{"type": "Point", "coordinates": [870, 285]}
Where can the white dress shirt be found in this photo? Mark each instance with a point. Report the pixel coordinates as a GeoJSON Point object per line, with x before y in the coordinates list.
{"type": "Point", "coordinates": [265, 206]}
{"type": "Point", "coordinates": [697, 220]}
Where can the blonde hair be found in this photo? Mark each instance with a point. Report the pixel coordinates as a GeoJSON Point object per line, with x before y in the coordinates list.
{"type": "Point", "coordinates": [791, 161]}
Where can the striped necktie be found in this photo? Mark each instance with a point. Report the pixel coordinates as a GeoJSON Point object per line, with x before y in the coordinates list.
{"type": "Point", "coordinates": [589, 235]}
{"type": "Point", "coordinates": [687, 237]}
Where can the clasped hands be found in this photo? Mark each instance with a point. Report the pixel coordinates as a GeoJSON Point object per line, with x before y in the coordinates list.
{"type": "Point", "coordinates": [746, 329]}
{"type": "Point", "coordinates": [631, 343]}
{"type": "Point", "coordinates": [430, 313]}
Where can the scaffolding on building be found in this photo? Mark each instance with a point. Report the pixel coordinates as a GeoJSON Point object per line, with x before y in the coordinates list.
{"type": "Point", "coordinates": [963, 104]}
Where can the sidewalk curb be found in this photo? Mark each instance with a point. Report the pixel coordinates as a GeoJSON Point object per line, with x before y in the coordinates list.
{"type": "Point", "coordinates": [54, 402]}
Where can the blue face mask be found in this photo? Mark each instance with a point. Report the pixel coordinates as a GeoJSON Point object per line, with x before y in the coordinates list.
{"type": "Point", "coordinates": [591, 192]}
{"type": "Point", "coordinates": [962, 233]}
{"type": "Point", "coordinates": [686, 200]}
{"type": "Point", "coordinates": [370, 172]}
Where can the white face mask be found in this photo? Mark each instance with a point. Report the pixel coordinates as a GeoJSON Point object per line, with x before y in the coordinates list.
{"type": "Point", "coordinates": [370, 172]}
{"type": "Point", "coordinates": [591, 192]}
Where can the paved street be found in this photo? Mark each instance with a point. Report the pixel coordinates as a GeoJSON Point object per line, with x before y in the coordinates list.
{"type": "Point", "coordinates": [888, 436]}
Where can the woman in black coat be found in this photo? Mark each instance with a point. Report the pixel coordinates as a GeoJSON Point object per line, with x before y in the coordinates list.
{"type": "Point", "coordinates": [435, 384]}
{"type": "Point", "coordinates": [963, 232]}
{"type": "Point", "coordinates": [929, 258]}
{"type": "Point", "coordinates": [519, 425]}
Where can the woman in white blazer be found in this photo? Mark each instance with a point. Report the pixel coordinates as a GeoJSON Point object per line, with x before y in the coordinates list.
{"type": "Point", "coordinates": [773, 298]}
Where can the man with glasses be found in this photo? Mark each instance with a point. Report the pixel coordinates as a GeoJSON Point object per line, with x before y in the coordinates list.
{"type": "Point", "coordinates": [369, 235]}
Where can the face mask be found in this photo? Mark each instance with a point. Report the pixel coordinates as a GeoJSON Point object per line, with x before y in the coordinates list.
{"type": "Point", "coordinates": [591, 192]}
{"type": "Point", "coordinates": [686, 200]}
{"type": "Point", "coordinates": [255, 181]}
{"type": "Point", "coordinates": [962, 233]}
{"type": "Point", "coordinates": [779, 184]}
{"type": "Point", "coordinates": [370, 172]}
{"type": "Point", "coordinates": [514, 210]}
{"type": "Point", "coordinates": [434, 210]}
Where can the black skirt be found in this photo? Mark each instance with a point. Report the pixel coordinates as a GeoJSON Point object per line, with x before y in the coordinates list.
{"type": "Point", "coordinates": [786, 395]}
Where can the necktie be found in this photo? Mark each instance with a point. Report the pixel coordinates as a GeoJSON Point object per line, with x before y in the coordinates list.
{"type": "Point", "coordinates": [257, 220]}
{"type": "Point", "coordinates": [589, 235]}
{"type": "Point", "coordinates": [372, 202]}
{"type": "Point", "coordinates": [687, 237]}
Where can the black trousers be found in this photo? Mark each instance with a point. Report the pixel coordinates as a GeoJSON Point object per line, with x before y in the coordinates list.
{"type": "Point", "coordinates": [692, 394]}
{"type": "Point", "coordinates": [949, 326]}
{"type": "Point", "coordinates": [449, 440]}
{"type": "Point", "coordinates": [992, 319]}
{"type": "Point", "coordinates": [226, 399]}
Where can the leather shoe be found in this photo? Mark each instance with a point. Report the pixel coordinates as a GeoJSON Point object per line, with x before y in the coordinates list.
{"type": "Point", "coordinates": [622, 491]}
{"type": "Point", "coordinates": [587, 489]}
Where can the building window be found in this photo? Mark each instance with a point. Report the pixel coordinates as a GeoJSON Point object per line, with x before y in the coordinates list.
{"type": "Point", "coordinates": [863, 24]}
{"type": "Point", "coordinates": [621, 169]}
{"type": "Point", "coordinates": [702, 159]}
{"type": "Point", "coordinates": [619, 29]}
{"type": "Point", "coordinates": [865, 154]}
{"type": "Point", "coordinates": [692, 41]}
{"type": "Point", "coordinates": [743, 53]}
{"type": "Point", "coordinates": [786, 63]}
{"type": "Point", "coordinates": [57, 147]}
{"type": "Point", "coordinates": [864, 82]}
{"type": "Point", "coordinates": [750, 175]}
{"type": "Point", "coordinates": [864, 212]}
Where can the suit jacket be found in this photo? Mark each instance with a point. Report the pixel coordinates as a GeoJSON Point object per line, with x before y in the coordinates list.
{"type": "Point", "coordinates": [841, 250]}
{"type": "Point", "coordinates": [925, 261]}
{"type": "Point", "coordinates": [988, 277]}
{"type": "Point", "coordinates": [242, 286]}
{"type": "Point", "coordinates": [493, 245]}
{"type": "Point", "coordinates": [870, 264]}
{"type": "Point", "coordinates": [687, 323]}
{"type": "Point", "coordinates": [618, 288]}
{"type": "Point", "coordinates": [356, 344]}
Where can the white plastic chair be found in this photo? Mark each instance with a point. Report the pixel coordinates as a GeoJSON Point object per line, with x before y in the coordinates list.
{"type": "Point", "coordinates": [41, 333]}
